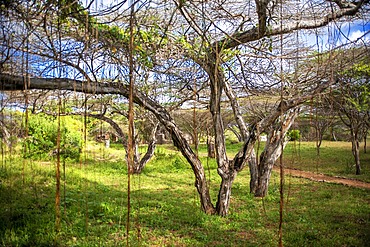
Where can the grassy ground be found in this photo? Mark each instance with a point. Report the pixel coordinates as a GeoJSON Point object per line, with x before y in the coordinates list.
{"type": "Point", "coordinates": [335, 159]}
{"type": "Point", "coordinates": [165, 210]}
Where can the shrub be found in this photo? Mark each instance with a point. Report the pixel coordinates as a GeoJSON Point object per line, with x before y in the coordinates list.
{"type": "Point", "coordinates": [294, 135]}
{"type": "Point", "coordinates": [42, 138]}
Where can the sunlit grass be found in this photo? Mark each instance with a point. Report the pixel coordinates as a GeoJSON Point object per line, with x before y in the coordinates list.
{"type": "Point", "coordinates": [165, 208]}
{"type": "Point", "coordinates": [335, 159]}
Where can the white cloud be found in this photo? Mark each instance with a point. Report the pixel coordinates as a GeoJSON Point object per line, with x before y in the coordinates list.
{"type": "Point", "coordinates": [358, 34]}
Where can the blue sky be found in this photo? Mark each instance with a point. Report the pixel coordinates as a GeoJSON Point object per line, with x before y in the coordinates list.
{"type": "Point", "coordinates": [351, 31]}
{"type": "Point", "coordinates": [337, 34]}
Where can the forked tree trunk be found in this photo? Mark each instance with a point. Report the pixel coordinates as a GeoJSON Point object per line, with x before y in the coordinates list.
{"type": "Point", "coordinates": [275, 145]}
{"type": "Point", "coordinates": [228, 175]}
{"type": "Point", "coordinates": [140, 163]}
{"type": "Point", "coordinates": [267, 160]}
{"type": "Point", "coordinates": [244, 135]}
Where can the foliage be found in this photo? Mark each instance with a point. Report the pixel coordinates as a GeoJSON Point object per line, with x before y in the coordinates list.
{"type": "Point", "coordinates": [360, 98]}
{"type": "Point", "coordinates": [294, 135]}
{"type": "Point", "coordinates": [362, 69]}
{"type": "Point", "coordinates": [146, 41]}
{"type": "Point", "coordinates": [43, 133]}
{"type": "Point", "coordinates": [358, 95]}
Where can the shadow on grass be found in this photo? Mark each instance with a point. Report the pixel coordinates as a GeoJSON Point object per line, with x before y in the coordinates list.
{"type": "Point", "coordinates": [95, 214]}
{"type": "Point", "coordinates": [165, 208]}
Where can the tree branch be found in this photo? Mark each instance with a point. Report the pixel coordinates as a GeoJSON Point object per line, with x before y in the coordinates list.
{"type": "Point", "coordinates": [253, 34]}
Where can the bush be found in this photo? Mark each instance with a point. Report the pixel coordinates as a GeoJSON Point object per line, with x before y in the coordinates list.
{"type": "Point", "coordinates": [294, 135]}
{"type": "Point", "coordinates": [42, 140]}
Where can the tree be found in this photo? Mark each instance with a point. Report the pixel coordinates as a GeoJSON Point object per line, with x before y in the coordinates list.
{"type": "Point", "coordinates": [352, 101]}
{"type": "Point", "coordinates": [323, 118]}
{"type": "Point", "coordinates": [138, 161]}
{"type": "Point", "coordinates": [204, 35]}
{"type": "Point", "coordinates": [113, 113]}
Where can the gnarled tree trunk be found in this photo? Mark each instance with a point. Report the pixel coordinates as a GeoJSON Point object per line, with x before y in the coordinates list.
{"type": "Point", "coordinates": [274, 147]}
{"type": "Point", "coordinates": [223, 200]}
{"type": "Point", "coordinates": [139, 165]}
{"type": "Point", "coordinates": [253, 171]}
{"type": "Point", "coordinates": [227, 175]}
{"type": "Point", "coordinates": [270, 154]}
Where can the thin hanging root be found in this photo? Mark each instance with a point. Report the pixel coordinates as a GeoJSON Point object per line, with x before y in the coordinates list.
{"type": "Point", "coordinates": [281, 208]}
{"type": "Point", "coordinates": [131, 134]}
{"type": "Point", "coordinates": [57, 173]}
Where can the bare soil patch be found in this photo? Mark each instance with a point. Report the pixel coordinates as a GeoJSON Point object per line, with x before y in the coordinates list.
{"type": "Point", "coordinates": [324, 178]}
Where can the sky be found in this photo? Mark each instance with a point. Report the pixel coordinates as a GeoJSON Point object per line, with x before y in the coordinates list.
{"type": "Point", "coordinates": [336, 34]}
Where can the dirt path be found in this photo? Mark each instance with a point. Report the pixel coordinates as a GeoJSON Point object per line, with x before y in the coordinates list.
{"type": "Point", "coordinates": [324, 178]}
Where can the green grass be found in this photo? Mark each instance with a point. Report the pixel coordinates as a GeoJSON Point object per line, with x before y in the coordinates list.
{"type": "Point", "coordinates": [165, 209]}
{"type": "Point", "coordinates": [335, 159]}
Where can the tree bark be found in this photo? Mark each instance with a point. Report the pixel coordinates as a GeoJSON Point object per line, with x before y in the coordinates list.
{"type": "Point", "coordinates": [270, 154]}
{"type": "Point", "coordinates": [356, 150]}
{"type": "Point", "coordinates": [253, 171]}
{"type": "Point", "coordinates": [245, 135]}
{"type": "Point", "coordinates": [226, 169]}
{"type": "Point", "coordinates": [216, 85]}
{"type": "Point", "coordinates": [365, 140]}
{"type": "Point", "coordinates": [210, 148]}
{"type": "Point", "coordinates": [224, 194]}
{"type": "Point", "coordinates": [139, 166]}
{"type": "Point", "coordinates": [275, 145]}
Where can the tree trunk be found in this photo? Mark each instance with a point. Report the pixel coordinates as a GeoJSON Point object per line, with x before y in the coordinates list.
{"type": "Point", "coordinates": [140, 163]}
{"type": "Point", "coordinates": [224, 194]}
{"type": "Point", "coordinates": [318, 145]}
{"type": "Point", "coordinates": [216, 85]}
{"type": "Point", "coordinates": [268, 157]}
{"type": "Point", "coordinates": [275, 145]}
{"type": "Point", "coordinates": [198, 169]}
{"type": "Point", "coordinates": [356, 151]}
{"type": "Point", "coordinates": [365, 140]}
{"type": "Point", "coordinates": [253, 171]}
{"type": "Point", "coordinates": [243, 136]}
{"type": "Point", "coordinates": [210, 148]}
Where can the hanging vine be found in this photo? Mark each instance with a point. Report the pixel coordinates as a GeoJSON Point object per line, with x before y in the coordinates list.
{"type": "Point", "coordinates": [131, 134]}
{"type": "Point", "coordinates": [282, 86]}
